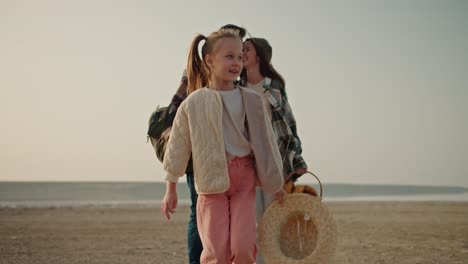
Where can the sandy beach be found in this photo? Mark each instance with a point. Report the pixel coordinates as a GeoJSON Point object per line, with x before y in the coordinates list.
{"type": "Point", "coordinates": [369, 232]}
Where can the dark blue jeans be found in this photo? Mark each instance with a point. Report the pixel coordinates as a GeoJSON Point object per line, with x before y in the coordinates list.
{"type": "Point", "coordinates": [195, 246]}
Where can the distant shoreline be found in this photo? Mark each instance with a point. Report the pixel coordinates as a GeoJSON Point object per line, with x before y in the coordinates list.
{"type": "Point", "coordinates": [182, 180]}
{"type": "Point", "coordinates": [150, 194]}
{"type": "Point", "coordinates": [185, 203]}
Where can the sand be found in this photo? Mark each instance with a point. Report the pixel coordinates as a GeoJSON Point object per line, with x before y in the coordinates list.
{"type": "Point", "coordinates": [369, 232]}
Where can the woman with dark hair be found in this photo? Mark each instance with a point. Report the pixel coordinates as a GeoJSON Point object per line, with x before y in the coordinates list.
{"type": "Point", "coordinates": [260, 75]}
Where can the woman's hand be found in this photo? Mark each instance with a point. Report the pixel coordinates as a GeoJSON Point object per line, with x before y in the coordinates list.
{"type": "Point", "coordinates": [301, 171]}
{"type": "Point", "coordinates": [296, 174]}
{"type": "Point", "coordinates": [169, 203]}
{"type": "Point", "coordinates": [289, 186]}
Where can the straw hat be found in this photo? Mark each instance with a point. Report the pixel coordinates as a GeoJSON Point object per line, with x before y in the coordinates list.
{"type": "Point", "coordinates": [301, 231]}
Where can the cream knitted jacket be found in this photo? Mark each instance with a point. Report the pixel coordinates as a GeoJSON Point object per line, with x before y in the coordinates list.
{"type": "Point", "coordinates": [197, 130]}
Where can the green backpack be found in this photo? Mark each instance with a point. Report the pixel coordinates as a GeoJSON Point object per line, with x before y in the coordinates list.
{"type": "Point", "coordinates": [159, 129]}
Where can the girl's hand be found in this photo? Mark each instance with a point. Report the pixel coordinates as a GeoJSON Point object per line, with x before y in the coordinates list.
{"type": "Point", "coordinates": [169, 203]}
{"type": "Point", "coordinates": [279, 196]}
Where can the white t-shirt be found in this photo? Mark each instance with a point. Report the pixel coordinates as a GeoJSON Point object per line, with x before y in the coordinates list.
{"type": "Point", "coordinates": [234, 129]}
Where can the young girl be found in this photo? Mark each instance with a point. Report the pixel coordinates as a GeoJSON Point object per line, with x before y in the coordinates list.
{"type": "Point", "coordinates": [233, 147]}
{"type": "Point", "coordinates": [194, 245]}
{"type": "Point", "coordinates": [260, 76]}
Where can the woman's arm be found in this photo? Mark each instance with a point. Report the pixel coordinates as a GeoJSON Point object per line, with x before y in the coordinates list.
{"type": "Point", "coordinates": [299, 165]}
{"type": "Point", "coordinates": [178, 98]}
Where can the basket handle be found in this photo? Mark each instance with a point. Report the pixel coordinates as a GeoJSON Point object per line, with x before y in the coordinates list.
{"type": "Point", "coordinates": [320, 183]}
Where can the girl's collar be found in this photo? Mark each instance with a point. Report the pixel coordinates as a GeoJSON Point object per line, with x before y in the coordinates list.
{"type": "Point", "coordinates": [214, 89]}
{"type": "Point", "coordinates": [236, 88]}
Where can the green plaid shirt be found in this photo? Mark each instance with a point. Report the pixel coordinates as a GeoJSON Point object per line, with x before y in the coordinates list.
{"type": "Point", "coordinates": [284, 125]}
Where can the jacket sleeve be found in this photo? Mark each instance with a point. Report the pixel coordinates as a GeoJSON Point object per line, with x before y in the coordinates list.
{"type": "Point", "coordinates": [179, 146]}
{"type": "Point", "coordinates": [290, 120]}
{"type": "Point", "coordinates": [298, 161]}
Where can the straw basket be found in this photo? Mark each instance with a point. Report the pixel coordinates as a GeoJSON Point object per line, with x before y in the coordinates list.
{"type": "Point", "coordinates": [300, 231]}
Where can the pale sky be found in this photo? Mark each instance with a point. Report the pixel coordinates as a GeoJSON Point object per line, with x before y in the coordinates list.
{"type": "Point", "coordinates": [379, 89]}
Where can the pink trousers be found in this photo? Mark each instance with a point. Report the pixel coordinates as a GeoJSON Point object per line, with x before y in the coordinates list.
{"type": "Point", "coordinates": [226, 221]}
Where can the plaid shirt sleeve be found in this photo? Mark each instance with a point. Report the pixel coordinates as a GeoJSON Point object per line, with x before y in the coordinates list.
{"type": "Point", "coordinates": [297, 161]}
{"type": "Point", "coordinates": [284, 124]}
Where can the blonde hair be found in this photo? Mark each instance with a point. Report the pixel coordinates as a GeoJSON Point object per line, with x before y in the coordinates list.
{"type": "Point", "coordinates": [198, 72]}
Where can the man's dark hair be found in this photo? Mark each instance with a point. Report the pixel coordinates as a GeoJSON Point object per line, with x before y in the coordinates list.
{"type": "Point", "coordinates": [240, 30]}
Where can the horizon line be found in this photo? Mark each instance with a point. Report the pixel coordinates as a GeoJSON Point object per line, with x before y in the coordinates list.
{"type": "Point", "coordinates": [158, 181]}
